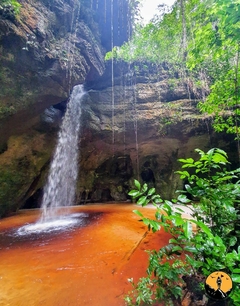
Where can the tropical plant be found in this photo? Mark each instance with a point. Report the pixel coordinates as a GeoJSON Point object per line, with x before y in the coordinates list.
{"type": "Point", "coordinates": [212, 184]}
{"type": "Point", "coordinates": [215, 48]}
{"type": "Point", "coordinates": [200, 39]}
{"type": "Point", "coordinates": [192, 252]}
{"type": "Point", "coordinates": [156, 42]}
{"type": "Point", "coordinates": [11, 3]}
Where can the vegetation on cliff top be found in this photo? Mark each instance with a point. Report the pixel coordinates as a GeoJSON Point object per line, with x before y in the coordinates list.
{"type": "Point", "coordinates": [201, 40]}
{"type": "Point", "coordinates": [11, 3]}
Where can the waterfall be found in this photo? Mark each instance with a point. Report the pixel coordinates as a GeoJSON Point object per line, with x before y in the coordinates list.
{"type": "Point", "coordinates": [60, 188]}
{"type": "Point", "coordinates": [113, 94]}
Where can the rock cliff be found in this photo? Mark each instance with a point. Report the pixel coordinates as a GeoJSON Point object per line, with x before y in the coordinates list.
{"type": "Point", "coordinates": [45, 50]}
{"type": "Point", "coordinates": [138, 129]}
{"type": "Point", "coordinates": [133, 126]}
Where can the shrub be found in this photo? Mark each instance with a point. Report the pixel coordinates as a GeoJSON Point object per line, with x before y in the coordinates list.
{"type": "Point", "coordinates": [212, 247]}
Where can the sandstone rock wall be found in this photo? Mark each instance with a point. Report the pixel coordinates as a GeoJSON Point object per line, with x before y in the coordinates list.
{"type": "Point", "coordinates": [137, 128]}
{"type": "Point", "coordinates": [45, 50]}
{"type": "Point", "coordinates": [141, 136]}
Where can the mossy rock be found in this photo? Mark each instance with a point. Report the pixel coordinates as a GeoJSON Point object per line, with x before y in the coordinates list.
{"type": "Point", "coordinates": [20, 165]}
{"type": "Point", "coordinates": [11, 188]}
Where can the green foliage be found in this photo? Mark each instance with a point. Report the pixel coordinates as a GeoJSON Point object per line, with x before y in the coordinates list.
{"type": "Point", "coordinates": [211, 247]}
{"type": "Point", "coordinates": [223, 99]}
{"type": "Point", "coordinates": [214, 47]}
{"type": "Point", "coordinates": [11, 3]}
{"type": "Point", "coordinates": [213, 186]}
{"type": "Point", "coordinates": [165, 286]}
{"type": "Point", "coordinates": [156, 42]}
{"type": "Point", "coordinates": [198, 37]}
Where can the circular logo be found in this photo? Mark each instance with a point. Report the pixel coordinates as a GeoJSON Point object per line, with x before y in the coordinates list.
{"type": "Point", "coordinates": [218, 285]}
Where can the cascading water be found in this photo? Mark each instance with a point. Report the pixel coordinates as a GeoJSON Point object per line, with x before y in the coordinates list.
{"type": "Point", "coordinates": [60, 188]}
{"type": "Point", "coordinates": [61, 184]}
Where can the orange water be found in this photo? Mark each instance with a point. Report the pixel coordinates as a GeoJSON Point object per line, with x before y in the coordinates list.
{"type": "Point", "coordinates": [88, 265]}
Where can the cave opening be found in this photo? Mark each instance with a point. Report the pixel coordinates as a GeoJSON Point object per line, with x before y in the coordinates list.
{"type": "Point", "coordinates": [106, 195]}
{"type": "Point", "coordinates": [147, 175]}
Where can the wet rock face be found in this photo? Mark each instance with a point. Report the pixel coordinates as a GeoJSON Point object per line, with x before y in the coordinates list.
{"type": "Point", "coordinates": [148, 127]}
{"type": "Point", "coordinates": [50, 47]}
{"type": "Point", "coordinates": [136, 129]}
{"type": "Point", "coordinates": [45, 51]}
{"type": "Point", "coordinates": [128, 131]}
{"type": "Point", "coordinates": [22, 168]}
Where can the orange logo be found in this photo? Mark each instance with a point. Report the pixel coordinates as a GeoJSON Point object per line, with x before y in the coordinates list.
{"type": "Point", "coordinates": [218, 285]}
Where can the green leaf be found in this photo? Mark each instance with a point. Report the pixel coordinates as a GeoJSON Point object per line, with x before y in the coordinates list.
{"type": "Point", "coordinates": [190, 249]}
{"type": "Point", "coordinates": [178, 220]}
{"type": "Point", "coordinates": [167, 208]}
{"type": "Point", "coordinates": [183, 199]}
{"type": "Point", "coordinates": [187, 161]}
{"type": "Point", "coordinates": [203, 227]}
{"type": "Point", "coordinates": [218, 241]}
{"type": "Point", "coordinates": [169, 203]}
{"type": "Point", "coordinates": [137, 184]}
{"type": "Point", "coordinates": [235, 278]}
{"type": "Point", "coordinates": [183, 174]}
{"type": "Point", "coordinates": [232, 241]}
{"type": "Point", "coordinates": [156, 199]}
{"type": "Point", "coordinates": [179, 209]}
{"type": "Point", "coordinates": [222, 152]}
{"type": "Point", "coordinates": [236, 271]}
{"type": "Point", "coordinates": [172, 240]}
{"type": "Point", "coordinates": [219, 158]}
{"type": "Point", "coordinates": [188, 166]}
{"type": "Point", "coordinates": [134, 193]}
{"type": "Point", "coordinates": [151, 191]}
{"type": "Point", "coordinates": [225, 178]}
{"type": "Point", "coordinates": [142, 201]}
{"type": "Point", "coordinates": [188, 188]}
{"type": "Point", "coordinates": [176, 248]}
{"type": "Point", "coordinates": [209, 261]}
{"type": "Point", "coordinates": [187, 228]}
{"type": "Point", "coordinates": [154, 225]}
{"type": "Point", "coordinates": [137, 212]}
{"type": "Point", "coordinates": [151, 224]}
{"type": "Point", "coordinates": [158, 215]}
{"type": "Point", "coordinates": [194, 263]}
{"type": "Point", "coordinates": [144, 188]}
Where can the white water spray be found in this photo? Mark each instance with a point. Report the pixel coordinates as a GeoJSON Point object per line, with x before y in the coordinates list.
{"type": "Point", "coordinates": [60, 188]}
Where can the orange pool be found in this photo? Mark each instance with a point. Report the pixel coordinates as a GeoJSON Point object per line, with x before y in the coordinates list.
{"type": "Point", "coordinates": [88, 265]}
